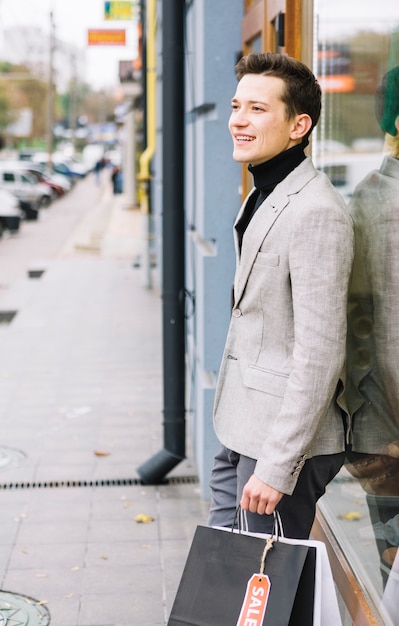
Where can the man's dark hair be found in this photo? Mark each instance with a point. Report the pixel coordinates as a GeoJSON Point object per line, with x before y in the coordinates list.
{"type": "Point", "coordinates": [302, 93]}
{"type": "Point", "coordinates": [387, 102]}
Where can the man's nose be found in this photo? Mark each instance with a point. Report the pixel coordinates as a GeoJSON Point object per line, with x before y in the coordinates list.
{"type": "Point", "coordinates": [238, 118]}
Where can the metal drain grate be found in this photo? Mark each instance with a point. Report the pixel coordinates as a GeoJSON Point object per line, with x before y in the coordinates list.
{"type": "Point", "coordinates": [122, 482]}
{"type": "Point", "coordinates": [17, 610]}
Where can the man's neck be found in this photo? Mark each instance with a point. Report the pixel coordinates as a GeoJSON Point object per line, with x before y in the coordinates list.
{"type": "Point", "coordinates": [268, 174]}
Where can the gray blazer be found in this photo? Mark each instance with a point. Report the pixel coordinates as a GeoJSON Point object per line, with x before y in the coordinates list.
{"type": "Point", "coordinates": [285, 348]}
{"type": "Point", "coordinates": [372, 385]}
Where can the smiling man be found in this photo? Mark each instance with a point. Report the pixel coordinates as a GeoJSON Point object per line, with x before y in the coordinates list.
{"type": "Point", "coordinates": [275, 413]}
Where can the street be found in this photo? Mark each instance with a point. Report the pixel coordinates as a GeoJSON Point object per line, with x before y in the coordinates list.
{"type": "Point", "coordinates": [78, 218]}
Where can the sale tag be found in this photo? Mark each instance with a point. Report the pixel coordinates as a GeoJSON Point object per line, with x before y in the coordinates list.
{"type": "Point", "coordinates": [254, 606]}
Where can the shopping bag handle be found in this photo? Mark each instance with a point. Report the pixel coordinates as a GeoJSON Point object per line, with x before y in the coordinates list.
{"type": "Point", "coordinates": [242, 526]}
{"type": "Point", "coordinates": [240, 520]}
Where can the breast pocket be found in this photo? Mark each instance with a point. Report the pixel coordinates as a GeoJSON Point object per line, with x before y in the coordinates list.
{"type": "Point", "coordinates": [267, 259]}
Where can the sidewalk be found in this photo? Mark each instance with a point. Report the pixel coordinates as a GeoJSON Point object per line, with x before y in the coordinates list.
{"type": "Point", "coordinates": [81, 409]}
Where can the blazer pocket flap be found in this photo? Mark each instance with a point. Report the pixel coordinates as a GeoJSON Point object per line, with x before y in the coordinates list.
{"type": "Point", "coordinates": [273, 383]}
{"type": "Point", "coordinates": [269, 259]}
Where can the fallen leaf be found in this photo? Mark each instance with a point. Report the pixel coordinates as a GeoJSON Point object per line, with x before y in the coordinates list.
{"type": "Point", "coordinates": [141, 518]}
{"type": "Point", "coordinates": [69, 595]}
{"type": "Point", "coordinates": [100, 453]}
{"type": "Point", "coordinates": [351, 516]}
{"type": "Point", "coordinates": [41, 602]}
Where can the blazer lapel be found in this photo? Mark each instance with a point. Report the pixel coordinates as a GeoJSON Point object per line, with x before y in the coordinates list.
{"type": "Point", "coordinates": [263, 220]}
{"type": "Point", "coordinates": [257, 230]}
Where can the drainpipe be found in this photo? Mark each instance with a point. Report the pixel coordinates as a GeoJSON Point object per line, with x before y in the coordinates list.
{"type": "Point", "coordinates": [155, 469]}
{"type": "Point", "coordinates": [144, 175]}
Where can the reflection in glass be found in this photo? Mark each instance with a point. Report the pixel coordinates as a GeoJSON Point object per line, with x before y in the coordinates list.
{"type": "Point", "coordinates": [372, 386]}
{"type": "Point", "coordinates": [357, 145]}
{"type": "Point", "coordinates": [353, 49]}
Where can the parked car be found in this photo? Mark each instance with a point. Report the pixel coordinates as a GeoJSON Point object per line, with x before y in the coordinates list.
{"type": "Point", "coordinates": [23, 186]}
{"type": "Point", "coordinates": [29, 210]}
{"type": "Point", "coordinates": [10, 213]}
{"type": "Point", "coordinates": [58, 183]}
{"type": "Point", "coordinates": [70, 168]}
{"type": "Point", "coordinates": [64, 182]}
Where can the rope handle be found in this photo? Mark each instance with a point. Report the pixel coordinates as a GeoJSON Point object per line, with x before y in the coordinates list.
{"type": "Point", "coordinates": [268, 546]}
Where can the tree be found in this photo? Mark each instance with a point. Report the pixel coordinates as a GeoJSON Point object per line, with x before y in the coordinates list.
{"type": "Point", "coordinates": [19, 89]}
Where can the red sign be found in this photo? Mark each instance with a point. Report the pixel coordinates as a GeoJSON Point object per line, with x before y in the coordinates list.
{"type": "Point", "coordinates": [106, 37]}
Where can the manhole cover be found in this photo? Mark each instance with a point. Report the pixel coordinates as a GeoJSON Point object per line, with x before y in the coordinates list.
{"type": "Point", "coordinates": [16, 610]}
{"type": "Point", "coordinates": [10, 458]}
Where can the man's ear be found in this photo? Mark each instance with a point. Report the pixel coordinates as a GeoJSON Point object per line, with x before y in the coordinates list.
{"type": "Point", "coordinates": [397, 124]}
{"type": "Point", "coordinates": [301, 126]}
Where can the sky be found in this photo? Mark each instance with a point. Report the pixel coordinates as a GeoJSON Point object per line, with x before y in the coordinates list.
{"type": "Point", "coordinates": [72, 19]}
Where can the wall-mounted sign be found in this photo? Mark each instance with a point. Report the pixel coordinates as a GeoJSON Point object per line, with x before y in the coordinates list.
{"type": "Point", "coordinates": [119, 10]}
{"type": "Point", "coordinates": [106, 37]}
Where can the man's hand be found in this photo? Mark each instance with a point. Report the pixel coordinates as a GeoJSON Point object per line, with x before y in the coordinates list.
{"type": "Point", "coordinates": [258, 497]}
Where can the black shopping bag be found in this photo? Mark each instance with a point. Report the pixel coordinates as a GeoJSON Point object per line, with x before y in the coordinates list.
{"type": "Point", "coordinates": [219, 565]}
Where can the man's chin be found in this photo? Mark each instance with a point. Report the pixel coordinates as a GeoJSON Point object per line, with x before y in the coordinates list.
{"type": "Point", "coordinates": [240, 158]}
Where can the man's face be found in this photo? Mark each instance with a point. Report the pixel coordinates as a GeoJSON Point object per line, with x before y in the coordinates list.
{"type": "Point", "coordinates": [258, 123]}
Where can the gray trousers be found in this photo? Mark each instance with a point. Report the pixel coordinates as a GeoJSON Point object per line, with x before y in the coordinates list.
{"type": "Point", "coordinates": [231, 472]}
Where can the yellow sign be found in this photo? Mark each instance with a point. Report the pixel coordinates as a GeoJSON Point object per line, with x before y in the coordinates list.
{"type": "Point", "coordinates": [118, 10]}
{"type": "Point", "coordinates": [106, 37]}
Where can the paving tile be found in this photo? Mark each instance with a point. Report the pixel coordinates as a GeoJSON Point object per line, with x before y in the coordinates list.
{"type": "Point", "coordinates": [50, 532]}
{"type": "Point", "coordinates": [43, 584]}
{"type": "Point", "coordinates": [5, 552]}
{"type": "Point", "coordinates": [122, 530]}
{"type": "Point", "coordinates": [122, 609]}
{"type": "Point", "coordinates": [126, 507]}
{"type": "Point", "coordinates": [47, 556]}
{"type": "Point", "coordinates": [64, 609]}
{"type": "Point", "coordinates": [8, 532]}
{"type": "Point", "coordinates": [117, 579]}
{"type": "Point", "coordinates": [132, 555]}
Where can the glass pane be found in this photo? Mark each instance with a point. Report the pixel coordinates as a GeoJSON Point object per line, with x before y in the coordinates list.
{"type": "Point", "coordinates": [356, 143]}
{"type": "Point", "coordinates": [356, 44]}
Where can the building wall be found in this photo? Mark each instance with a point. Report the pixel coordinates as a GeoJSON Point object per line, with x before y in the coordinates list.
{"type": "Point", "coordinates": [212, 183]}
{"type": "Point", "coordinates": [212, 201]}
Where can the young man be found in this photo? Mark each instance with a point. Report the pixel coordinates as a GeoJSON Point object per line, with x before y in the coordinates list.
{"type": "Point", "coordinates": [275, 412]}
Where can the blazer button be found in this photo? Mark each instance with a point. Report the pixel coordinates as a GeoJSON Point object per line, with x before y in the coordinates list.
{"type": "Point", "coordinates": [237, 313]}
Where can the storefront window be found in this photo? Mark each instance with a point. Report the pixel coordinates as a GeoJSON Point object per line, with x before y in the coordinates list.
{"type": "Point", "coordinates": [357, 144]}
{"type": "Point", "coordinates": [356, 44]}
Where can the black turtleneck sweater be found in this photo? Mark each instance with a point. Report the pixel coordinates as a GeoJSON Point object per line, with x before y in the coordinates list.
{"type": "Point", "coordinates": [266, 177]}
